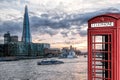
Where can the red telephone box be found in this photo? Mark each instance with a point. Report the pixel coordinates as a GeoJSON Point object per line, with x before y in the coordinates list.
{"type": "Point", "coordinates": [104, 47]}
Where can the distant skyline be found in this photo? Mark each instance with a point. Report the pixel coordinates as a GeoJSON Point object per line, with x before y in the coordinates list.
{"type": "Point", "coordinates": [59, 22]}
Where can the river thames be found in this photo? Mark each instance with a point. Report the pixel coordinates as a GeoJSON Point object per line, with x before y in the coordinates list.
{"type": "Point", "coordinates": [72, 69]}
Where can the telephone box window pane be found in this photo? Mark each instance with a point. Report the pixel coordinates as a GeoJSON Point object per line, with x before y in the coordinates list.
{"type": "Point", "coordinates": [98, 39]}
{"type": "Point", "coordinates": [98, 46]}
{"type": "Point", "coordinates": [93, 38]}
{"type": "Point", "coordinates": [103, 38]}
{"type": "Point", "coordinates": [93, 46]}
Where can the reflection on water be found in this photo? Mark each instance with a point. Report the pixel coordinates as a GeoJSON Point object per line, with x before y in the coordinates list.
{"type": "Point", "coordinates": [72, 69]}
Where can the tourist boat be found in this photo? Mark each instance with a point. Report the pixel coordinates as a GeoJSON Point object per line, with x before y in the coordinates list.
{"type": "Point", "coordinates": [49, 62]}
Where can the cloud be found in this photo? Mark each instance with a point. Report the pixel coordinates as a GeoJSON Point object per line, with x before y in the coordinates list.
{"type": "Point", "coordinates": [37, 21]}
{"type": "Point", "coordinates": [15, 28]}
{"type": "Point", "coordinates": [51, 24]}
{"type": "Point", "coordinates": [64, 33]}
{"type": "Point", "coordinates": [11, 26]}
{"type": "Point", "coordinates": [41, 39]}
{"type": "Point", "coordinates": [43, 30]}
{"type": "Point", "coordinates": [7, 0]}
{"type": "Point", "coordinates": [49, 31]}
{"type": "Point", "coordinates": [72, 38]}
{"type": "Point", "coordinates": [5, 4]}
{"type": "Point", "coordinates": [83, 33]}
{"type": "Point", "coordinates": [65, 21]}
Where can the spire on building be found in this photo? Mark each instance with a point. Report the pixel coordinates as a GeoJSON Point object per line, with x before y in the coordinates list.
{"type": "Point", "coordinates": [26, 36]}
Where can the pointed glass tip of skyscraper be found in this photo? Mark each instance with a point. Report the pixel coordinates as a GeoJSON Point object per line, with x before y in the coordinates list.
{"type": "Point", "coordinates": [26, 35]}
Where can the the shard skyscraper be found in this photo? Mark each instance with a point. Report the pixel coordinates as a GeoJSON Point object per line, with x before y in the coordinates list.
{"type": "Point", "coordinates": [26, 35]}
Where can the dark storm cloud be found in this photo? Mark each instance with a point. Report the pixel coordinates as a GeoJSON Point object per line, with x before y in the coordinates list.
{"type": "Point", "coordinates": [50, 32]}
{"type": "Point", "coordinates": [44, 30]}
{"type": "Point", "coordinates": [7, 0]}
{"type": "Point", "coordinates": [15, 28]}
{"type": "Point", "coordinates": [39, 21]}
{"type": "Point", "coordinates": [46, 23]}
{"type": "Point", "coordinates": [11, 26]}
{"type": "Point", "coordinates": [83, 33]}
{"type": "Point", "coordinates": [59, 22]}
{"type": "Point", "coordinates": [73, 33]}
{"type": "Point", "coordinates": [64, 33]}
{"type": "Point", "coordinates": [13, 1]}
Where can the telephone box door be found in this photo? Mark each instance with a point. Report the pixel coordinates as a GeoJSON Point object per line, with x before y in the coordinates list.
{"type": "Point", "coordinates": [100, 55]}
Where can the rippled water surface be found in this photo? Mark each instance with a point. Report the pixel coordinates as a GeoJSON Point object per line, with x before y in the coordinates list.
{"type": "Point", "coordinates": [72, 69]}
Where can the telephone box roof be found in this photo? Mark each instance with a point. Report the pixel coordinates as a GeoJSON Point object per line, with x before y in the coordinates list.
{"type": "Point", "coordinates": [113, 15]}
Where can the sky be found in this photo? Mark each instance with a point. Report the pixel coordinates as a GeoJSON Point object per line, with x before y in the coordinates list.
{"type": "Point", "coordinates": [59, 22]}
